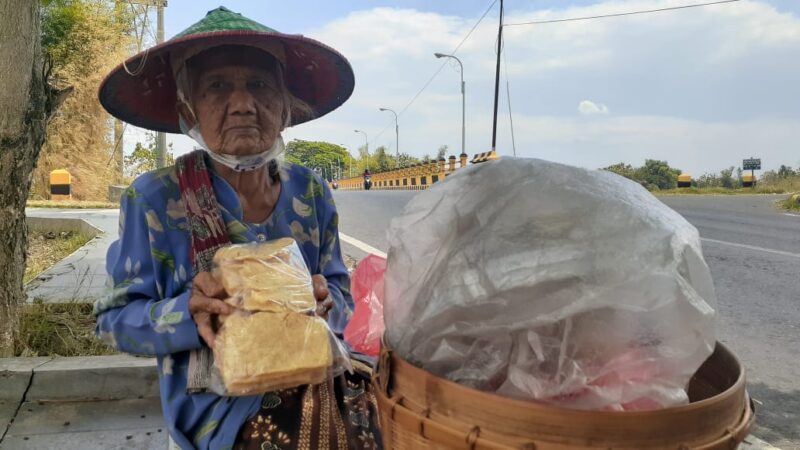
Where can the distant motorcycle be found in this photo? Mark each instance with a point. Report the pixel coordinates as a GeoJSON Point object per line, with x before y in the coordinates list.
{"type": "Point", "coordinates": [367, 182]}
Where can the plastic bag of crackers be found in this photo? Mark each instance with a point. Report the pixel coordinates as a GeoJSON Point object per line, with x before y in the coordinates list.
{"type": "Point", "coordinates": [274, 341]}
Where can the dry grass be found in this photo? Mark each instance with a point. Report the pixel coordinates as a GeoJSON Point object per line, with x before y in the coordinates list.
{"type": "Point", "coordinates": [80, 137]}
{"type": "Point", "coordinates": [759, 190]}
{"type": "Point", "coordinates": [46, 248]}
{"type": "Point", "coordinates": [791, 203]}
{"type": "Point", "coordinates": [58, 329]}
{"type": "Point", "coordinates": [71, 204]}
{"type": "Point", "coordinates": [771, 186]}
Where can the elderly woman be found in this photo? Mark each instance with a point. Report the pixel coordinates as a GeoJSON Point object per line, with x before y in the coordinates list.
{"type": "Point", "coordinates": [233, 85]}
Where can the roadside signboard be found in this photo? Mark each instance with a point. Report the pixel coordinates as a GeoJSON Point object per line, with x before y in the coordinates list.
{"type": "Point", "coordinates": [751, 164]}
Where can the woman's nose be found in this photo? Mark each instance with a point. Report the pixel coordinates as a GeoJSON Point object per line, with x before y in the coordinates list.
{"type": "Point", "coordinates": [241, 102]}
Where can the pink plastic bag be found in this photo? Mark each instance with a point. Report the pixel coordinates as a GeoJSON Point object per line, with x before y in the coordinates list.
{"type": "Point", "coordinates": [364, 331]}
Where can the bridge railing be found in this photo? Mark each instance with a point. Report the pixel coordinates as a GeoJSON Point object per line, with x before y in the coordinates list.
{"type": "Point", "coordinates": [415, 177]}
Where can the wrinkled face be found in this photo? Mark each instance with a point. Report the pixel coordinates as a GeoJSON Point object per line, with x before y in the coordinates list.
{"type": "Point", "coordinates": [237, 99]}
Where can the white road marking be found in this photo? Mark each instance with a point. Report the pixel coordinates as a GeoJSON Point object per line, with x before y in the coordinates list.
{"type": "Point", "coordinates": [791, 215]}
{"type": "Point", "coordinates": [753, 247]}
{"type": "Point", "coordinates": [361, 245]}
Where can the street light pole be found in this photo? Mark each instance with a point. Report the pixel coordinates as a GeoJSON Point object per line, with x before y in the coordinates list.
{"type": "Point", "coordinates": [366, 144]}
{"type": "Point", "coordinates": [463, 99]}
{"type": "Point", "coordinates": [396, 136]}
{"type": "Point", "coordinates": [161, 137]}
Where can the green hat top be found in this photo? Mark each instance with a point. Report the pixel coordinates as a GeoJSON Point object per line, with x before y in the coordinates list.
{"type": "Point", "coordinates": [142, 90]}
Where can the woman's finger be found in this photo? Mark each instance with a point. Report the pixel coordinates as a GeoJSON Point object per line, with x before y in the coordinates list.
{"type": "Point", "coordinates": [321, 291]}
{"type": "Point", "coordinates": [323, 307]}
{"type": "Point", "coordinates": [204, 328]}
{"type": "Point", "coordinates": [209, 285]}
{"type": "Point", "coordinates": [200, 303]}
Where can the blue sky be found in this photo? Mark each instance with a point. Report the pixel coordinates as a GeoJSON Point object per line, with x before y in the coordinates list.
{"type": "Point", "coordinates": [702, 88]}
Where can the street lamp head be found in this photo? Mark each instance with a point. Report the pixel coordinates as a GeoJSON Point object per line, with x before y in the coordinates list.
{"type": "Point", "coordinates": [383, 109]}
{"type": "Point", "coordinates": [439, 55]}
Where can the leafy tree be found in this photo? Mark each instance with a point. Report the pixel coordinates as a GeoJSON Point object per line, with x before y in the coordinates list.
{"type": "Point", "coordinates": [787, 172]}
{"type": "Point", "coordinates": [329, 159]}
{"type": "Point", "coordinates": [442, 152]}
{"type": "Point", "coordinates": [653, 175]}
{"type": "Point", "coordinates": [407, 160]}
{"type": "Point", "coordinates": [726, 178]}
{"type": "Point", "coordinates": [143, 158]}
{"type": "Point", "coordinates": [708, 180]}
{"type": "Point", "coordinates": [658, 174]}
{"type": "Point", "coordinates": [625, 170]}
{"type": "Point", "coordinates": [383, 160]}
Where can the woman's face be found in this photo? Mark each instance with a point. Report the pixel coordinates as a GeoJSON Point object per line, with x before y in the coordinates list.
{"type": "Point", "coordinates": [237, 102]}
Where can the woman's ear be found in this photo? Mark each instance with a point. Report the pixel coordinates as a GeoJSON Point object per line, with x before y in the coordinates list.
{"type": "Point", "coordinates": [186, 114]}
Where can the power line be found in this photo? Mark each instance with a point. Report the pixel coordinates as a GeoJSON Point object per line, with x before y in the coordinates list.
{"type": "Point", "coordinates": [438, 70]}
{"type": "Point", "coordinates": [508, 99]}
{"type": "Point", "coordinates": [629, 13]}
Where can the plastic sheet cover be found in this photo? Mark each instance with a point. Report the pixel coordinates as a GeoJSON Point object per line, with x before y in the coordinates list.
{"type": "Point", "coordinates": [545, 282]}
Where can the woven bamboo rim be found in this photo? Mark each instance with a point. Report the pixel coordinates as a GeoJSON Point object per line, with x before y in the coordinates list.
{"type": "Point", "coordinates": [414, 402]}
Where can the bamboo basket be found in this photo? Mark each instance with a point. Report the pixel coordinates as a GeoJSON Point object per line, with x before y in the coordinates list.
{"type": "Point", "coordinates": [421, 411]}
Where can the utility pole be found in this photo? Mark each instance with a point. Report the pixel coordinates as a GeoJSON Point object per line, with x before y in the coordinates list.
{"type": "Point", "coordinates": [119, 146]}
{"type": "Point", "coordinates": [463, 99]}
{"type": "Point", "coordinates": [161, 137]}
{"type": "Point", "coordinates": [497, 78]}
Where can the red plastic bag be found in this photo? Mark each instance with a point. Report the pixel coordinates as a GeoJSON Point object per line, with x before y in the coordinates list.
{"type": "Point", "coordinates": [364, 331]}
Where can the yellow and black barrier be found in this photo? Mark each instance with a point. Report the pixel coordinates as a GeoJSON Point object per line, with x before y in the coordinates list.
{"type": "Point", "coordinates": [416, 177]}
{"type": "Point", "coordinates": [60, 185]}
{"type": "Point", "coordinates": [484, 157]}
{"type": "Point", "coordinates": [748, 180]}
{"type": "Point", "coordinates": [684, 180]}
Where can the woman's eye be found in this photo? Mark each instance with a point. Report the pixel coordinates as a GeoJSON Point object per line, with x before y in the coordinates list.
{"type": "Point", "coordinates": [257, 84]}
{"type": "Point", "coordinates": [216, 85]}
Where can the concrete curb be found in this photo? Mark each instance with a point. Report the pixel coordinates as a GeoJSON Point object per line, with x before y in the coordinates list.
{"type": "Point", "coordinates": [58, 224]}
{"type": "Point", "coordinates": [111, 377]}
{"type": "Point", "coordinates": [95, 402]}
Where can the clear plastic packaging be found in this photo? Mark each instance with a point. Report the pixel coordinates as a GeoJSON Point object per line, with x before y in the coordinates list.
{"type": "Point", "coordinates": [365, 328]}
{"type": "Point", "coordinates": [552, 283]}
{"type": "Point", "coordinates": [270, 276]}
{"type": "Point", "coordinates": [273, 341]}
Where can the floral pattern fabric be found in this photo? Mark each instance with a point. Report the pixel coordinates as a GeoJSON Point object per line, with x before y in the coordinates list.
{"type": "Point", "coordinates": [150, 273]}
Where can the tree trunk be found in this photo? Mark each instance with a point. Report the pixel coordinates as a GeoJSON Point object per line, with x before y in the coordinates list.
{"type": "Point", "coordinates": [26, 104]}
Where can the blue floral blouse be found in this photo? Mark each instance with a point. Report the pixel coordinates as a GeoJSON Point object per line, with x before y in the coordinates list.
{"type": "Point", "coordinates": [149, 268]}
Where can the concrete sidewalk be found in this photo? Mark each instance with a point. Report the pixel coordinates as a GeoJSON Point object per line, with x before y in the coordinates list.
{"type": "Point", "coordinates": [80, 403]}
{"type": "Point", "coordinates": [98, 402]}
{"type": "Point", "coordinates": [82, 275]}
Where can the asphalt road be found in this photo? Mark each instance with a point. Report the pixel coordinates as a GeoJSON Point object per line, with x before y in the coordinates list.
{"type": "Point", "coordinates": [753, 250]}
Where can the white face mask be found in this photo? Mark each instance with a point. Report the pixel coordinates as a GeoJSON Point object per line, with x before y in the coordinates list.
{"type": "Point", "coordinates": [238, 163]}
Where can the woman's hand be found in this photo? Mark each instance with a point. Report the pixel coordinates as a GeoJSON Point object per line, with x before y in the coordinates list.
{"type": "Point", "coordinates": [321, 293]}
{"type": "Point", "coordinates": [206, 306]}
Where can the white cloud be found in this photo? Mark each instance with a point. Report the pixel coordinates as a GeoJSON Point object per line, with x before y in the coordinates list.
{"type": "Point", "coordinates": [702, 88]}
{"type": "Point", "coordinates": [590, 108]}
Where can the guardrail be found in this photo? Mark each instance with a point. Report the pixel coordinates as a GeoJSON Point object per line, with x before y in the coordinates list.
{"type": "Point", "coordinates": [416, 177]}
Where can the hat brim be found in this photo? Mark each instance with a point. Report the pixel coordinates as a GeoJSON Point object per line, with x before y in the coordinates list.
{"type": "Point", "coordinates": [142, 90]}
